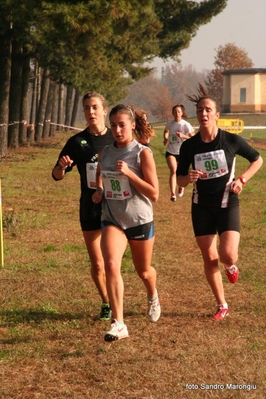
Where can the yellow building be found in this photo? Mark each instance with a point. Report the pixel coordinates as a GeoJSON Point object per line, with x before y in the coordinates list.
{"type": "Point", "coordinates": [244, 90]}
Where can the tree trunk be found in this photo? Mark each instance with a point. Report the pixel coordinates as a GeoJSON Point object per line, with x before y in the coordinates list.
{"type": "Point", "coordinates": [24, 111]}
{"type": "Point", "coordinates": [15, 95]}
{"type": "Point", "coordinates": [33, 98]}
{"type": "Point", "coordinates": [54, 110]}
{"type": "Point", "coordinates": [60, 118]}
{"type": "Point", "coordinates": [69, 105]}
{"type": "Point", "coordinates": [75, 108]}
{"type": "Point", "coordinates": [5, 76]}
{"type": "Point", "coordinates": [42, 105]}
{"type": "Point", "coordinates": [48, 112]}
{"type": "Point", "coordinates": [37, 95]}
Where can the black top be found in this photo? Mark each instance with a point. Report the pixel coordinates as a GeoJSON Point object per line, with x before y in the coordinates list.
{"type": "Point", "coordinates": [83, 148]}
{"type": "Point", "coordinates": [217, 160]}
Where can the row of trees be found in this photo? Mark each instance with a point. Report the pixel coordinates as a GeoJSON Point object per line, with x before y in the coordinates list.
{"type": "Point", "coordinates": [158, 95]}
{"type": "Point", "coordinates": [100, 45]}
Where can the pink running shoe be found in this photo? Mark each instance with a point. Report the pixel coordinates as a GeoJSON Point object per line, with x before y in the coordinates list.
{"type": "Point", "coordinates": [220, 313]}
{"type": "Point", "coordinates": [232, 274]}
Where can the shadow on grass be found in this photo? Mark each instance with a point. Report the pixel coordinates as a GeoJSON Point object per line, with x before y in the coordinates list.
{"type": "Point", "coordinates": [14, 317]}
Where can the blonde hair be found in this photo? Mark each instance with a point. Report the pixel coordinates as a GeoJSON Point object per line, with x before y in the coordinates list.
{"type": "Point", "coordinates": [93, 94]}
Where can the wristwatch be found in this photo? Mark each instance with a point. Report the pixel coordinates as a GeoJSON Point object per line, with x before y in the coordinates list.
{"type": "Point", "coordinates": [243, 180]}
{"type": "Point", "coordinates": [59, 167]}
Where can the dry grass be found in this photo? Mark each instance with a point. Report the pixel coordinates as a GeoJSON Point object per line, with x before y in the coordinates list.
{"type": "Point", "coordinates": [51, 345]}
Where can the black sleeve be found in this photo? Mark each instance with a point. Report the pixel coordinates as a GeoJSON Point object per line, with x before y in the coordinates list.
{"type": "Point", "coordinates": [244, 149]}
{"type": "Point", "coordinates": [184, 158]}
{"type": "Point", "coordinates": [69, 150]}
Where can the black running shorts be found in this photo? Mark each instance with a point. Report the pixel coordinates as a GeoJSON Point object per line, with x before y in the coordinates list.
{"type": "Point", "coordinates": [138, 233]}
{"type": "Point", "coordinates": [208, 220]}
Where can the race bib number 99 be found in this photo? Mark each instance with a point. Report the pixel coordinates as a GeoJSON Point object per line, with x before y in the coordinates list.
{"type": "Point", "coordinates": [116, 186]}
{"type": "Point", "coordinates": [213, 164]}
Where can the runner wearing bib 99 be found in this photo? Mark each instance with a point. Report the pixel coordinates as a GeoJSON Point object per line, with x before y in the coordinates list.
{"type": "Point", "coordinates": [127, 183]}
{"type": "Point", "coordinates": [215, 204]}
{"type": "Point", "coordinates": [81, 150]}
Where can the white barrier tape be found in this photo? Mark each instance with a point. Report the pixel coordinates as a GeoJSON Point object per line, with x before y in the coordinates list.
{"type": "Point", "coordinates": [244, 127]}
{"type": "Point", "coordinates": [254, 127]}
{"type": "Point", "coordinates": [40, 124]}
{"type": "Point", "coordinates": [14, 123]}
{"type": "Point", "coordinates": [76, 128]}
{"type": "Point", "coordinates": [58, 124]}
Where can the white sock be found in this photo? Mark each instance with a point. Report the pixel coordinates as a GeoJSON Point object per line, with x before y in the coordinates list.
{"type": "Point", "coordinates": [224, 305]}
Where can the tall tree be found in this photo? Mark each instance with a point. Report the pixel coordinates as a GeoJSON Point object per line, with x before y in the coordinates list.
{"type": "Point", "coordinates": [151, 95]}
{"type": "Point", "coordinates": [24, 110]}
{"type": "Point", "coordinates": [182, 81]}
{"type": "Point", "coordinates": [227, 57]}
{"type": "Point", "coordinates": [48, 111]}
{"type": "Point", "coordinates": [99, 44]}
{"type": "Point", "coordinates": [5, 76]}
{"type": "Point", "coordinates": [45, 83]}
{"type": "Point", "coordinates": [15, 94]}
{"type": "Point", "coordinates": [157, 96]}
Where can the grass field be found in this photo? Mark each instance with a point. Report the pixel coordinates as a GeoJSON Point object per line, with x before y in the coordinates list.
{"type": "Point", "coordinates": [51, 345]}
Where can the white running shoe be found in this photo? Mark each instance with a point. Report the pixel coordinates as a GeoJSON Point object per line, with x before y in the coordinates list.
{"type": "Point", "coordinates": [180, 192]}
{"type": "Point", "coordinates": [117, 331]}
{"type": "Point", "coordinates": [173, 198]}
{"type": "Point", "coordinates": [154, 309]}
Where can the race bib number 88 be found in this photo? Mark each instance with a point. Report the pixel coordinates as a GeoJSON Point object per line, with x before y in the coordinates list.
{"type": "Point", "coordinates": [213, 164]}
{"type": "Point", "coordinates": [116, 185]}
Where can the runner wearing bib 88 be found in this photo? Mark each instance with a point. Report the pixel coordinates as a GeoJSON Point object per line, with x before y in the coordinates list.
{"type": "Point", "coordinates": [211, 153]}
{"type": "Point", "coordinates": [127, 184]}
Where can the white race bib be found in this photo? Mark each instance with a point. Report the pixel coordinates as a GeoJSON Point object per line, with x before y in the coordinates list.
{"type": "Point", "coordinates": [91, 174]}
{"type": "Point", "coordinates": [213, 164]}
{"type": "Point", "coordinates": [116, 185]}
{"type": "Point", "coordinates": [173, 139]}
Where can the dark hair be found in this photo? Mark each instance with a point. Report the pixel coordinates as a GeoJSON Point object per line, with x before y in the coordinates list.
{"type": "Point", "coordinates": [143, 130]}
{"type": "Point", "coordinates": [92, 94]}
{"type": "Point", "coordinates": [202, 94]}
{"type": "Point", "coordinates": [184, 114]}
{"type": "Point", "coordinates": [123, 109]}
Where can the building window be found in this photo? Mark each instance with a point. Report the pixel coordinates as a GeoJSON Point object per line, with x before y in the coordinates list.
{"type": "Point", "coordinates": [243, 94]}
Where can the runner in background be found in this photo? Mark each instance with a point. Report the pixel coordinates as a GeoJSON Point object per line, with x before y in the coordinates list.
{"type": "Point", "coordinates": [175, 133]}
{"type": "Point", "coordinates": [143, 130]}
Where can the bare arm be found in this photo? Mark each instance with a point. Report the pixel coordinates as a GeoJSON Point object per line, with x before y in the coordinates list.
{"type": "Point", "coordinates": [253, 167]}
{"type": "Point", "coordinates": [149, 185]}
{"type": "Point", "coordinates": [236, 185]}
{"type": "Point", "coordinates": [98, 195]}
{"type": "Point", "coordinates": [59, 170]}
{"type": "Point", "coordinates": [165, 136]}
{"type": "Point", "coordinates": [191, 177]}
{"type": "Point", "coordinates": [184, 136]}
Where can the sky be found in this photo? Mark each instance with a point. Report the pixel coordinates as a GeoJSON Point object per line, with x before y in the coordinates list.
{"type": "Point", "coordinates": [242, 22]}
